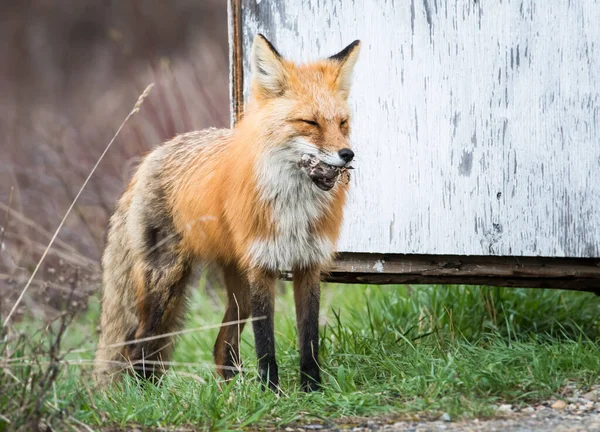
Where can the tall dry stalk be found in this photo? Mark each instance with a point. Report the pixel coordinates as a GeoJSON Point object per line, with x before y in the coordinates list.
{"type": "Point", "coordinates": [133, 112]}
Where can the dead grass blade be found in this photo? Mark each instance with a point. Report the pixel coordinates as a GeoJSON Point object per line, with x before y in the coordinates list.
{"type": "Point", "coordinates": [36, 227]}
{"type": "Point", "coordinates": [73, 258]}
{"type": "Point", "coordinates": [6, 216]}
{"type": "Point", "coordinates": [165, 335]}
{"type": "Point", "coordinates": [136, 365]}
{"type": "Point", "coordinates": [134, 111]}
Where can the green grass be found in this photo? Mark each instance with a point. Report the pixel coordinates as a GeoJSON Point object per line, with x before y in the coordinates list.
{"type": "Point", "coordinates": [387, 349]}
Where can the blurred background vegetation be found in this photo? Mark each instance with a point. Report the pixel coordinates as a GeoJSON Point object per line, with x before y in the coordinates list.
{"type": "Point", "coordinates": [70, 73]}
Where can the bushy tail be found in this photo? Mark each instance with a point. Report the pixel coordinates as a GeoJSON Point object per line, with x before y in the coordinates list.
{"type": "Point", "coordinates": [119, 317]}
{"type": "Point", "coordinates": [145, 274]}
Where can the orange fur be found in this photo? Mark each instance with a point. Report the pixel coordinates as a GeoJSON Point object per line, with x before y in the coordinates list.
{"type": "Point", "coordinates": [230, 192]}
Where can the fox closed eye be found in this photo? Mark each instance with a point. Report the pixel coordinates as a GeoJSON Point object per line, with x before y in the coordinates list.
{"type": "Point", "coordinates": [344, 122]}
{"type": "Point", "coordinates": [310, 122]}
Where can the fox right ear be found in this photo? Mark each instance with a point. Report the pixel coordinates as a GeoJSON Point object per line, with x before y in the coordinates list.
{"type": "Point", "coordinates": [268, 73]}
{"type": "Point", "coordinates": [346, 59]}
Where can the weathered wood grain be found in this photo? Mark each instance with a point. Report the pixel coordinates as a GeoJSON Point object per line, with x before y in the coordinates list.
{"type": "Point", "coordinates": [535, 272]}
{"type": "Point", "coordinates": [480, 266]}
{"type": "Point", "coordinates": [475, 122]}
{"type": "Point", "coordinates": [236, 70]}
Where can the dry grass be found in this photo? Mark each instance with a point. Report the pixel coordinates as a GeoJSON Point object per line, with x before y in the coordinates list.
{"type": "Point", "coordinates": [133, 112]}
{"type": "Point", "coordinates": [71, 73]}
{"type": "Point", "coordinates": [72, 69]}
{"type": "Point", "coordinates": [75, 66]}
{"type": "Point", "coordinates": [42, 361]}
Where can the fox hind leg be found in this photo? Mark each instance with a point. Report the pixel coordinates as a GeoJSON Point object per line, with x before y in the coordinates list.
{"type": "Point", "coordinates": [161, 277]}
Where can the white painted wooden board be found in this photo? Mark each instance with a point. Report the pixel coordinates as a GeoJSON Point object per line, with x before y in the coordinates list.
{"type": "Point", "coordinates": [476, 123]}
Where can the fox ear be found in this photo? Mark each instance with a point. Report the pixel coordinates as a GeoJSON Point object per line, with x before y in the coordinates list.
{"type": "Point", "coordinates": [268, 72]}
{"type": "Point", "coordinates": [346, 59]}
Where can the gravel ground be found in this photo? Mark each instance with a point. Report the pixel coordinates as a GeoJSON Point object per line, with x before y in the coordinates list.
{"type": "Point", "coordinates": [544, 421]}
{"type": "Point", "coordinates": [578, 412]}
{"type": "Point", "coordinates": [548, 420]}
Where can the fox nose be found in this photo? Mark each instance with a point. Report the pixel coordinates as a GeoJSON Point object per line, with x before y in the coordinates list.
{"type": "Point", "coordinates": [346, 154]}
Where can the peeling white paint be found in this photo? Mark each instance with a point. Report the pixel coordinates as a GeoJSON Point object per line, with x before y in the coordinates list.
{"type": "Point", "coordinates": [476, 124]}
{"type": "Point", "coordinates": [378, 266]}
{"type": "Point", "coordinates": [231, 41]}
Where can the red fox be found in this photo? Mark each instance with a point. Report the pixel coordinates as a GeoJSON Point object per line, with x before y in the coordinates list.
{"type": "Point", "coordinates": [260, 198]}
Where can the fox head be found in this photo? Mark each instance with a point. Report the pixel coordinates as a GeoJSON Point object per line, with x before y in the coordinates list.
{"type": "Point", "coordinates": [304, 107]}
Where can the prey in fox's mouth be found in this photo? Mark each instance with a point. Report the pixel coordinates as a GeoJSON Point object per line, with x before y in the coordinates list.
{"type": "Point", "coordinates": [324, 175]}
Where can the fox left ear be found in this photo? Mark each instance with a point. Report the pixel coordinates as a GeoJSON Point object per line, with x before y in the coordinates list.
{"type": "Point", "coordinates": [268, 73]}
{"type": "Point", "coordinates": [346, 59]}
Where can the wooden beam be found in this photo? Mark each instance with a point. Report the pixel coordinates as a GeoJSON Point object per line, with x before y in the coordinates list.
{"type": "Point", "coordinates": [527, 272]}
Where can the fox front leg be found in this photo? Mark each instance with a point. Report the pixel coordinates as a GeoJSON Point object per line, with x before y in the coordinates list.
{"type": "Point", "coordinates": [227, 347]}
{"type": "Point", "coordinates": [307, 293]}
{"type": "Point", "coordinates": [262, 292]}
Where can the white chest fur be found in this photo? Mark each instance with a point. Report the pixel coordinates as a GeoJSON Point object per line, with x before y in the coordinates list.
{"type": "Point", "coordinates": [296, 206]}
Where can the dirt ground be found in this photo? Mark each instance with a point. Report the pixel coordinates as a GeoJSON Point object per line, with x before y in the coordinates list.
{"type": "Point", "coordinates": [549, 420]}
{"type": "Point", "coordinates": [577, 412]}
{"type": "Point", "coordinates": [540, 421]}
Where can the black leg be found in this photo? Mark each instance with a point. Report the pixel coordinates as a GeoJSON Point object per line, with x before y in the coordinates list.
{"type": "Point", "coordinates": [227, 350]}
{"type": "Point", "coordinates": [262, 288]}
{"type": "Point", "coordinates": [307, 294]}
